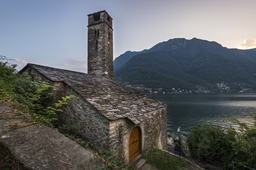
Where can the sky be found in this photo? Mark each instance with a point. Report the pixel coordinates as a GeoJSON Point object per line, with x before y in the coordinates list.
{"type": "Point", "coordinates": [54, 32]}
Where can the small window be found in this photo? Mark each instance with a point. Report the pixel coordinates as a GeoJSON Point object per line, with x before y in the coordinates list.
{"type": "Point", "coordinates": [96, 45]}
{"type": "Point", "coordinates": [96, 16]}
{"type": "Point", "coordinates": [109, 35]}
{"type": "Point", "coordinates": [108, 18]}
{"type": "Point", "coordinates": [98, 33]}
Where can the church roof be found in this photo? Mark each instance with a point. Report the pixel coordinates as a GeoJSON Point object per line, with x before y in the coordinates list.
{"type": "Point", "coordinates": [113, 99]}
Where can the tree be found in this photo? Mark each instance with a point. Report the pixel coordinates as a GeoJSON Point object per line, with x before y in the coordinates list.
{"type": "Point", "coordinates": [221, 147]}
{"type": "Point", "coordinates": [7, 77]}
{"type": "Point", "coordinates": [30, 95]}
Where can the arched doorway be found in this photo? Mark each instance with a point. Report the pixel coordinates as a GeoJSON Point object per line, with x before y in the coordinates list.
{"type": "Point", "coordinates": [134, 143]}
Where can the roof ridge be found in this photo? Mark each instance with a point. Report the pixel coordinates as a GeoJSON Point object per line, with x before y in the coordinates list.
{"type": "Point", "coordinates": [31, 64]}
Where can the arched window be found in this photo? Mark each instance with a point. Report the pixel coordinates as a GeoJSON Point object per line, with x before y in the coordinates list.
{"type": "Point", "coordinates": [96, 45]}
{"type": "Point", "coordinates": [109, 35]}
{"type": "Point", "coordinates": [96, 16]}
{"type": "Point", "coordinates": [98, 33]}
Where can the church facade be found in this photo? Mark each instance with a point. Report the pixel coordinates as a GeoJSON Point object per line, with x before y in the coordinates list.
{"type": "Point", "coordinates": [105, 113]}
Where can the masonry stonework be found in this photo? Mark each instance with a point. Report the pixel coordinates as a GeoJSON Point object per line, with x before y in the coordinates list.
{"type": "Point", "coordinates": [154, 133]}
{"type": "Point", "coordinates": [86, 122]}
{"type": "Point", "coordinates": [155, 130]}
{"type": "Point", "coordinates": [105, 112]}
{"type": "Point", "coordinates": [100, 44]}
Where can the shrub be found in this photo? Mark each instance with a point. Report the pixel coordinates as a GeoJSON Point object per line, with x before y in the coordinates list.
{"type": "Point", "coordinates": [29, 94]}
{"type": "Point", "coordinates": [215, 145]}
{"type": "Point", "coordinates": [7, 77]}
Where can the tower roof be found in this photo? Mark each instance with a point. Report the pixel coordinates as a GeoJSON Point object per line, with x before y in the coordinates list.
{"type": "Point", "coordinates": [99, 12]}
{"type": "Point", "coordinates": [99, 17]}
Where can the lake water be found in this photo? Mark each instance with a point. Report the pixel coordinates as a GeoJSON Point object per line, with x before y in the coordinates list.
{"type": "Point", "coordinates": [185, 110]}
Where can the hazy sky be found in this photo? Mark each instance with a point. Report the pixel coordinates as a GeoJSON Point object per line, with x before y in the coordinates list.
{"type": "Point", "coordinates": [54, 32]}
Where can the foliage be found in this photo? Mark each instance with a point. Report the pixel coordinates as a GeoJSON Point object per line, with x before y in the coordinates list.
{"type": "Point", "coordinates": [221, 147]}
{"type": "Point", "coordinates": [211, 144]}
{"type": "Point", "coordinates": [31, 95]}
{"type": "Point", "coordinates": [7, 77]}
{"type": "Point", "coordinates": [36, 97]}
{"type": "Point", "coordinates": [7, 162]}
{"type": "Point", "coordinates": [109, 159]}
{"type": "Point", "coordinates": [180, 144]}
{"type": "Point", "coordinates": [163, 160]}
{"type": "Point", "coordinates": [49, 117]}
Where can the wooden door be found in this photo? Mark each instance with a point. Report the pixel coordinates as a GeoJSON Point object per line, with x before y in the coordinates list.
{"type": "Point", "coordinates": [134, 144]}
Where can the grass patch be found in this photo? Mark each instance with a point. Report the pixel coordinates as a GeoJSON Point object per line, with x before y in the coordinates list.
{"type": "Point", "coordinates": [165, 161]}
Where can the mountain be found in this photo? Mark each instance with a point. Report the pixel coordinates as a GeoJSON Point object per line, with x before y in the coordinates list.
{"type": "Point", "coordinates": [188, 64]}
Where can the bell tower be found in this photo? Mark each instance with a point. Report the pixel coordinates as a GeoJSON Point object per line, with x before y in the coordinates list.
{"type": "Point", "coordinates": [100, 44]}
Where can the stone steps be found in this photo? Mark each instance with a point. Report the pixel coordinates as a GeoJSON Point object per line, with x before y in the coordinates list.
{"type": "Point", "coordinates": [141, 164]}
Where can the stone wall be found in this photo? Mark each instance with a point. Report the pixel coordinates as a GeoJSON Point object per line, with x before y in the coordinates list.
{"type": "Point", "coordinates": [85, 121]}
{"type": "Point", "coordinates": [59, 91]}
{"type": "Point", "coordinates": [108, 50]}
{"type": "Point", "coordinates": [155, 130]}
{"type": "Point", "coordinates": [119, 137]}
{"type": "Point", "coordinates": [153, 133]}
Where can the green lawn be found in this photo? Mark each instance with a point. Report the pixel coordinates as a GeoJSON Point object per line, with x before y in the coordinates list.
{"type": "Point", "coordinates": [165, 161]}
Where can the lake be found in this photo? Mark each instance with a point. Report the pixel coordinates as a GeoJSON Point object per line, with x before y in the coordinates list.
{"type": "Point", "coordinates": [184, 110]}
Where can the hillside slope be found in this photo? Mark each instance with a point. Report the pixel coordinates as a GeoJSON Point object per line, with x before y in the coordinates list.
{"type": "Point", "coordinates": [181, 63]}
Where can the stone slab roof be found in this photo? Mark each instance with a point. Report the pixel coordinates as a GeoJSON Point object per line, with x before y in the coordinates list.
{"type": "Point", "coordinates": [38, 147]}
{"type": "Point", "coordinates": [113, 99]}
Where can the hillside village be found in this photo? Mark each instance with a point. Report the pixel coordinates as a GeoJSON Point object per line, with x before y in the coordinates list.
{"type": "Point", "coordinates": [222, 88]}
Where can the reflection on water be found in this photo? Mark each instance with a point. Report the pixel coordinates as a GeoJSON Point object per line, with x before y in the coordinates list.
{"type": "Point", "coordinates": [186, 110]}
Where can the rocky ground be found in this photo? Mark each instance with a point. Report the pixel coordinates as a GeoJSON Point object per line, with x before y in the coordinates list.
{"type": "Point", "coordinates": [26, 145]}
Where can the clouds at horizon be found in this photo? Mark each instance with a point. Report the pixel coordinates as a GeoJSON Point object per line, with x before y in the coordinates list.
{"type": "Point", "coordinates": [247, 44]}
{"type": "Point", "coordinates": [19, 63]}
{"type": "Point", "coordinates": [75, 65]}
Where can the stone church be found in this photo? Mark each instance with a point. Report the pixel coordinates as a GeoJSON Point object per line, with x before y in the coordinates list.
{"type": "Point", "coordinates": [104, 112]}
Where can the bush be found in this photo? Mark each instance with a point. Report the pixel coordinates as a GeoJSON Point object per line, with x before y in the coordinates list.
{"type": "Point", "coordinates": [220, 147]}
{"type": "Point", "coordinates": [35, 95]}
{"type": "Point", "coordinates": [29, 94]}
{"type": "Point", "coordinates": [7, 77]}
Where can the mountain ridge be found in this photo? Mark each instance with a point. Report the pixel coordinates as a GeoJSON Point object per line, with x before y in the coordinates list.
{"type": "Point", "coordinates": [181, 63]}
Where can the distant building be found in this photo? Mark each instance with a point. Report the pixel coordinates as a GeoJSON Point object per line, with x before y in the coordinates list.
{"type": "Point", "coordinates": [104, 112]}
